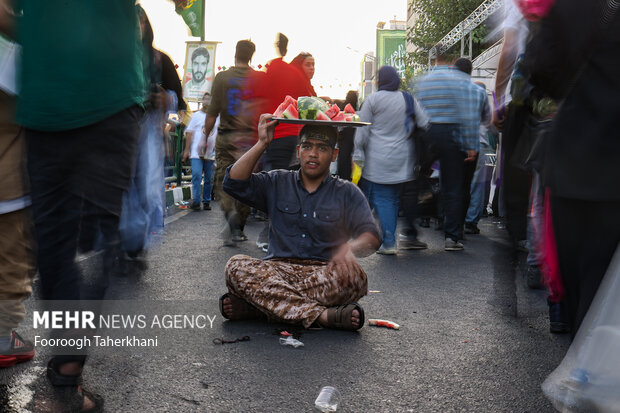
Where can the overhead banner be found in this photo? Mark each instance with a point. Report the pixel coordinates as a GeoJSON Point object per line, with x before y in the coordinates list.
{"type": "Point", "coordinates": [192, 12]}
{"type": "Point", "coordinates": [391, 50]}
{"type": "Point", "coordinates": [199, 70]}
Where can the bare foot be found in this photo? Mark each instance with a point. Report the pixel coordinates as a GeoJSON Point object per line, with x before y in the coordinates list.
{"type": "Point", "coordinates": [88, 404]}
{"type": "Point", "coordinates": [355, 318]}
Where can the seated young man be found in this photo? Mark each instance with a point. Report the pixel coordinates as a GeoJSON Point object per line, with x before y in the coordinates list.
{"type": "Point", "coordinates": [319, 224]}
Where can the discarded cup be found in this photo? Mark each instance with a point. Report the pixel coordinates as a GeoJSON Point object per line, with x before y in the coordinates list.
{"type": "Point", "coordinates": [290, 341]}
{"type": "Point", "coordinates": [329, 400]}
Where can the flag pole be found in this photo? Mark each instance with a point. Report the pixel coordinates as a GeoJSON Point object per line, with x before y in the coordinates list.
{"type": "Point", "coordinates": [202, 21]}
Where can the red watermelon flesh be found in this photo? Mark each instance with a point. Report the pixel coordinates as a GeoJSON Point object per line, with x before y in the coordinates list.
{"type": "Point", "coordinates": [320, 115]}
{"type": "Point", "coordinates": [291, 101]}
{"type": "Point", "coordinates": [349, 109]}
{"type": "Point", "coordinates": [339, 117]}
{"type": "Point", "coordinates": [290, 112]}
{"type": "Point", "coordinates": [348, 117]}
{"type": "Point", "coordinates": [280, 110]}
{"type": "Point", "coordinates": [333, 111]}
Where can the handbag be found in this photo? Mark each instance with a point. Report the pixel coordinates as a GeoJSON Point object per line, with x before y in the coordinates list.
{"type": "Point", "coordinates": [423, 152]}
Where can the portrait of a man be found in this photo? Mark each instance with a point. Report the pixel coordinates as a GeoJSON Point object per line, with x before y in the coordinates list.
{"type": "Point", "coordinates": [198, 70]}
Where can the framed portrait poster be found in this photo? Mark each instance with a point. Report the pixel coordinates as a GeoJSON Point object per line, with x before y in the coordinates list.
{"type": "Point", "coordinates": [199, 70]}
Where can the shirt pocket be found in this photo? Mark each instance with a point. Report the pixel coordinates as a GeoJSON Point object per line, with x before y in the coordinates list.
{"type": "Point", "coordinates": [328, 224]}
{"type": "Point", "coordinates": [288, 214]}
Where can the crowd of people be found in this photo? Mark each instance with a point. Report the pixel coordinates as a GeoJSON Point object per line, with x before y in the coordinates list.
{"type": "Point", "coordinates": [82, 167]}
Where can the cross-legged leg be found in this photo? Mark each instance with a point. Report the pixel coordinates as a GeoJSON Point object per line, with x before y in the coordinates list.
{"type": "Point", "coordinates": [291, 290]}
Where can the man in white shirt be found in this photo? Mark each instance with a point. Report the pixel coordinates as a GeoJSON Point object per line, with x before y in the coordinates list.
{"type": "Point", "coordinates": [202, 157]}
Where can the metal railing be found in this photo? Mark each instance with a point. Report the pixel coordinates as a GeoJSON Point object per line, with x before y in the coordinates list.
{"type": "Point", "coordinates": [174, 170]}
{"type": "Point", "coordinates": [465, 27]}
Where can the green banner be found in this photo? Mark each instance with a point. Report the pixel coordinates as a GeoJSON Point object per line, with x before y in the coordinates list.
{"type": "Point", "coordinates": [391, 50]}
{"type": "Point", "coordinates": [192, 12]}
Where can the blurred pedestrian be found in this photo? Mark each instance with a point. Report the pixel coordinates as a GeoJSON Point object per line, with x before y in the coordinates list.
{"type": "Point", "coordinates": [17, 266]}
{"type": "Point", "coordinates": [81, 113]}
{"type": "Point", "coordinates": [478, 118]}
{"type": "Point", "coordinates": [144, 202]}
{"type": "Point", "coordinates": [447, 96]}
{"type": "Point", "coordinates": [580, 69]}
{"type": "Point", "coordinates": [201, 161]}
{"type": "Point", "coordinates": [509, 118]}
{"type": "Point", "coordinates": [386, 153]}
{"type": "Point", "coordinates": [235, 134]}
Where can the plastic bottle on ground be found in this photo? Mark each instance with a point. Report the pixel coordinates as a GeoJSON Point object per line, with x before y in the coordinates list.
{"type": "Point", "coordinates": [329, 400]}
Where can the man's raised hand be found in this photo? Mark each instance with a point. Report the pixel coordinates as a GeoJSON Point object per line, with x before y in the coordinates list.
{"type": "Point", "coordinates": [266, 128]}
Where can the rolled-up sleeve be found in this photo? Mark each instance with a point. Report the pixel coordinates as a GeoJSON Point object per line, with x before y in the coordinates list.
{"type": "Point", "coordinates": [253, 191]}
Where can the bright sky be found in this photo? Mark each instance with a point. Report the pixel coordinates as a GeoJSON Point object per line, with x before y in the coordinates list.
{"type": "Point", "coordinates": [336, 32]}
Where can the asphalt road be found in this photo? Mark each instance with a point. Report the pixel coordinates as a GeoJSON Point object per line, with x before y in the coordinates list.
{"type": "Point", "coordinates": [473, 338]}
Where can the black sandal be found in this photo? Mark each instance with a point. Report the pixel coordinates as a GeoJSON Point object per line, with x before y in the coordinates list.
{"type": "Point", "coordinates": [73, 400]}
{"type": "Point", "coordinates": [242, 310]}
{"type": "Point", "coordinates": [340, 317]}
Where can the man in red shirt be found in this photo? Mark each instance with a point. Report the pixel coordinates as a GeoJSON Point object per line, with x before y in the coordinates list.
{"type": "Point", "coordinates": [272, 87]}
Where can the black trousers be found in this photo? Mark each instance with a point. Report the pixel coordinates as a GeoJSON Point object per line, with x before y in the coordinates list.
{"type": "Point", "coordinates": [445, 147]}
{"type": "Point", "coordinates": [515, 180]}
{"type": "Point", "coordinates": [346, 144]}
{"type": "Point", "coordinates": [469, 168]}
{"type": "Point", "coordinates": [587, 235]}
{"type": "Point", "coordinates": [78, 176]}
{"type": "Point", "coordinates": [409, 205]}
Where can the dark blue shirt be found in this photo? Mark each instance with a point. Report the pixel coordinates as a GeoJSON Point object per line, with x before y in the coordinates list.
{"type": "Point", "coordinates": [305, 225]}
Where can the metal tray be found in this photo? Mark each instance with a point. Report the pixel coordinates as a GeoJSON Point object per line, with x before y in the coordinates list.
{"type": "Point", "coordinates": [322, 122]}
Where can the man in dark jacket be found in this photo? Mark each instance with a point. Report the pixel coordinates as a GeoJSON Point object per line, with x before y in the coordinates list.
{"type": "Point", "coordinates": [581, 169]}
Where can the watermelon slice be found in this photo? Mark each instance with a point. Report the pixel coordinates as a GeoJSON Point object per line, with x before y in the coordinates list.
{"type": "Point", "coordinates": [333, 111]}
{"type": "Point", "coordinates": [339, 117]}
{"type": "Point", "coordinates": [349, 109]}
{"type": "Point", "coordinates": [320, 115]}
{"type": "Point", "coordinates": [290, 112]}
{"type": "Point", "coordinates": [348, 117]}
{"type": "Point", "coordinates": [309, 114]}
{"type": "Point", "coordinates": [288, 100]}
{"type": "Point", "coordinates": [280, 110]}
{"type": "Point", "coordinates": [291, 101]}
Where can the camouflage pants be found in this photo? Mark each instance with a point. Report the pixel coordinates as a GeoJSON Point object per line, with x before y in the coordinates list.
{"type": "Point", "coordinates": [291, 290]}
{"type": "Point", "coordinates": [228, 148]}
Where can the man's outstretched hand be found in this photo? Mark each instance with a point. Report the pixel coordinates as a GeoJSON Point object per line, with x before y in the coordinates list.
{"type": "Point", "coordinates": [266, 128]}
{"type": "Point", "coordinates": [344, 263]}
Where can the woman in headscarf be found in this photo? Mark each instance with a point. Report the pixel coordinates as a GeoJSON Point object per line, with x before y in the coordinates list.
{"type": "Point", "coordinates": [385, 151]}
{"type": "Point", "coordinates": [305, 63]}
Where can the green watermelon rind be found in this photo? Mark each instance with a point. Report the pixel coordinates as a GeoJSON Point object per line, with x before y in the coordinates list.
{"type": "Point", "coordinates": [308, 107]}
{"type": "Point", "coordinates": [289, 113]}
{"type": "Point", "coordinates": [308, 114]}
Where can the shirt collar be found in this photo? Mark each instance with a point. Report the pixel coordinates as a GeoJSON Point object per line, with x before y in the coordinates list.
{"type": "Point", "coordinates": [325, 180]}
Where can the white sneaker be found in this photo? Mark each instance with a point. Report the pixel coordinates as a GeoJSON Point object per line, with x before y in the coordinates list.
{"type": "Point", "coordinates": [452, 245]}
{"type": "Point", "coordinates": [387, 251]}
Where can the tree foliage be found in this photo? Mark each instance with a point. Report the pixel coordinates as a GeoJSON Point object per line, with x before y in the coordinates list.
{"type": "Point", "coordinates": [435, 19]}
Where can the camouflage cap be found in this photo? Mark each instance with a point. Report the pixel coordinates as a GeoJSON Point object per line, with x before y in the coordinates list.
{"type": "Point", "coordinates": [323, 133]}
